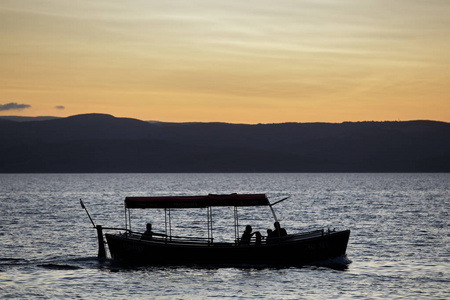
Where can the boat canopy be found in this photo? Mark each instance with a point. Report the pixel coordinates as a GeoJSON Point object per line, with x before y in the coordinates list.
{"type": "Point", "coordinates": [197, 201]}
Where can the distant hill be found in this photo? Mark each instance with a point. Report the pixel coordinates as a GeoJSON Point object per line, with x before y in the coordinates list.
{"type": "Point", "coordinates": [103, 143]}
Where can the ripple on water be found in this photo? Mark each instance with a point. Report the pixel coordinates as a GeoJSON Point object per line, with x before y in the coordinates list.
{"type": "Point", "coordinates": [399, 246]}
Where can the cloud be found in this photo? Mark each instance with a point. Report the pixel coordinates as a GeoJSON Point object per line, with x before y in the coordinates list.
{"type": "Point", "coordinates": [60, 107]}
{"type": "Point", "coordinates": [13, 106]}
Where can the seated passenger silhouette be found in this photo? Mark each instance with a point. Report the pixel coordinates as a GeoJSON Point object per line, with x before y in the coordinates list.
{"type": "Point", "coordinates": [279, 231]}
{"type": "Point", "coordinates": [247, 236]}
{"type": "Point", "coordinates": [148, 234]}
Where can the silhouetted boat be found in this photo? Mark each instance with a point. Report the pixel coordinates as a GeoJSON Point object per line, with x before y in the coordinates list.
{"type": "Point", "coordinates": [293, 249]}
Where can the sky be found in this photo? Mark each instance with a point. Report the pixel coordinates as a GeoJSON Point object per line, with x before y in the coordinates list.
{"type": "Point", "coordinates": [253, 61]}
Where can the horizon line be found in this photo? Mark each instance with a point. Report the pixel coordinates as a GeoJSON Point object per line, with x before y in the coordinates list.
{"type": "Point", "coordinates": [221, 122]}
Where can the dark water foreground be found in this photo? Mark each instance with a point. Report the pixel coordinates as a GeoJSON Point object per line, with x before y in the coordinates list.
{"type": "Point", "coordinates": [399, 246]}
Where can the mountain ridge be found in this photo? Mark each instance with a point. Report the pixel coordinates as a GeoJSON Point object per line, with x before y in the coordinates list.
{"type": "Point", "coordinates": [103, 143]}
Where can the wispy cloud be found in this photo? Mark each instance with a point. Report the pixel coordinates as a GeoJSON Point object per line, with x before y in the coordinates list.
{"type": "Point", "coordinates": [60, 107]}
{"type": "Point", "coordinates": [13, 106]}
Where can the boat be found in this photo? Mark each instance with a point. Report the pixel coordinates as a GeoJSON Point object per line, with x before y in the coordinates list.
{"type": "Point", "coordinates": [277, 249]}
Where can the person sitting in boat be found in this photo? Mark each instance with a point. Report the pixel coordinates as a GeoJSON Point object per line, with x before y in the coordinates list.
{"type": "Point", "coordinates": [247, 236]}
{"type": "Point", "coordinates": [279, 231]}
{"type": "Point", "coordinates": [148, 234]}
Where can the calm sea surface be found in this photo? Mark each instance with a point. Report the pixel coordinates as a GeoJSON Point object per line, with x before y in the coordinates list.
{"type": "Point", "coordinates": [399, 245]}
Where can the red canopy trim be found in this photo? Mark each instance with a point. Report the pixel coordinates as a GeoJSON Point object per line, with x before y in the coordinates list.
{"type": "Point", "coordinates": [197, 201]}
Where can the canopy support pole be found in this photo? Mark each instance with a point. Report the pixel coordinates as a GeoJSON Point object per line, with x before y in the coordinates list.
{"type": "Point", "coordinates": [129, 219]}
{"type": "Point", "coordinates": [210, 225]}
{"type": "Point", "coordinates": [126, 223]}
{"type": "Point", "coordinates": [236, 225]}
{"type": "Point", "coordinates": [165, 221]}
{"type": "Point", "coordinates": [273, 213]}
{"type": "Point", "coordinates": [170, 226]}
{"type": "Point", "coordinates": [211, 215]}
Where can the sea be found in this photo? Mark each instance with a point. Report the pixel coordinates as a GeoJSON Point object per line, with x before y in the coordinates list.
{"type": "Point", "coordinates": [399, 246]}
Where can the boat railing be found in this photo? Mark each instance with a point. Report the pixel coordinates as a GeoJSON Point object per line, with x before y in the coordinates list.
{"type": "Point", "coordinates": [194, 239]}
{"type": "Point", "coordinates": [175, 238]}
{"type": "Point", "coordinates": [120, 229]}
{"type": "Point", "coordinates": [313, 233]}
{"type": "Point", "coordinates": [187, 239]}
{"type": "Point", "coordinates": [161, 237]}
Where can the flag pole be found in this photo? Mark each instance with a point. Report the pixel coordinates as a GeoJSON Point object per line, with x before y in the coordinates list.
{"type": "Point", "coordinates": [84, 207]}
{"type": "Point", "coordinates": [101, 243]}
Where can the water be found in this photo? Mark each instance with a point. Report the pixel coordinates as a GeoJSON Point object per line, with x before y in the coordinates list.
{"type": "Point", "coordinates": [399, 246]}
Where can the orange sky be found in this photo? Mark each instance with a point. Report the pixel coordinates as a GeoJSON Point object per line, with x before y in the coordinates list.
{"type": "Point", "coordinates": [256, 61]}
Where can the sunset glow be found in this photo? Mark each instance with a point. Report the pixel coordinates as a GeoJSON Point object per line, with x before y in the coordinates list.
{"type": "Point", "coordinates": [229, 61]}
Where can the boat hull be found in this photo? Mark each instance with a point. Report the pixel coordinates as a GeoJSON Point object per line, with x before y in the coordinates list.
{"type": "Point", "coordinates": [295, 250]}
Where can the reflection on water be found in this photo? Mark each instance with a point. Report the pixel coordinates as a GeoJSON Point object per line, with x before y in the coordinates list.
{"type": "Point", "coordinates": [399, 246]}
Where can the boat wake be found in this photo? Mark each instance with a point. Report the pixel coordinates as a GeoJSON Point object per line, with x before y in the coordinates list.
{"type": "Point", "coordinates": [340, 263]}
